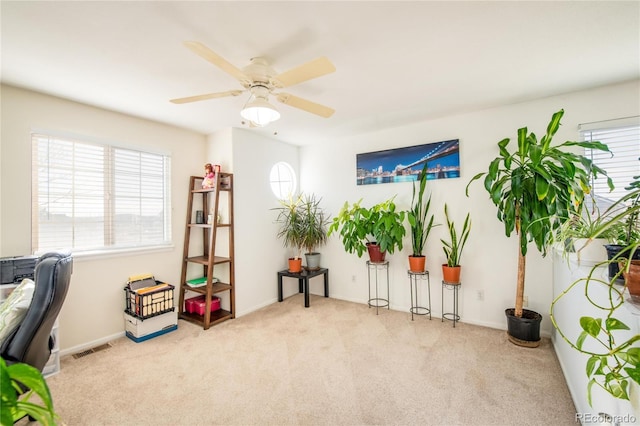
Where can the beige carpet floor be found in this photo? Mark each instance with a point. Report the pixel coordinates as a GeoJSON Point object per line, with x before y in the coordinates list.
{"type": "Point", "coordinates": [335, 363]}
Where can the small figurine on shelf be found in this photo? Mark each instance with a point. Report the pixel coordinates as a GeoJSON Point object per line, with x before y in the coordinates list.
{"type": "Point", "coordinates": [209, 175]}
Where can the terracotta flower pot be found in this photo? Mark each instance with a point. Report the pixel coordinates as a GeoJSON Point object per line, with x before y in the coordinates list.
{"type": "Point", "coordinates": [295, 265]}
{"type": "Point", "coordinates": [632, 279]}
{"type": "Point", "coordinates": [417, 263]}
{"type": "Point", "coordinates": [451, 274]}
{"type": "Point", "coordinates": [375, 255]}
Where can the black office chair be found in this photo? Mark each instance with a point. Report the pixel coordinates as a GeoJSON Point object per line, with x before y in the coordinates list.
{"type": "Point", "coordinates": [31, 342]}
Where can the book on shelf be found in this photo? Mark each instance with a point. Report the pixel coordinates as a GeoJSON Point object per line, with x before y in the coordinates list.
{"type": "Point", "coordinates": [199, 282]}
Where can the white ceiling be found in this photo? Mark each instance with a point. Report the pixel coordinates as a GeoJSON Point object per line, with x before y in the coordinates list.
{"type": "Point", "coordinates": [397, 62]}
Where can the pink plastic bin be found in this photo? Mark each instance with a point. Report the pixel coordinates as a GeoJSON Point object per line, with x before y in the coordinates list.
{"type": "Point", "coordinates": [197, 304]}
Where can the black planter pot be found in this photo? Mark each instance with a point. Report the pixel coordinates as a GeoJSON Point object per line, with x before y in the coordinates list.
{"type": "Point", "coordinates": [524, 331]}
{"type": "Point", "coordinates": [614, 250]}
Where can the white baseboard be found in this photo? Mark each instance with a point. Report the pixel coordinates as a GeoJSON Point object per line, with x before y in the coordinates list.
{"type": "Point", "coordinates": [92, 344]}
{"type": "Point", "coordinates": [255, 308]}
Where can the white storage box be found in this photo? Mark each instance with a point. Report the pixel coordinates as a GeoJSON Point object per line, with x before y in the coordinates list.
{"type": "Point", "coordinates": [140, 330]}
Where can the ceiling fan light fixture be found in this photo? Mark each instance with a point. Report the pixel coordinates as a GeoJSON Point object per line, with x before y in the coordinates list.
{"type": "Point", "coordinates": [259, 112]}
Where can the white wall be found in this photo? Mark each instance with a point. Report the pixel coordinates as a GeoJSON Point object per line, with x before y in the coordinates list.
{"type": "Point", "coordinates": [259, 254]}
{"type": "Point", "coordinates": [490, 259]}
{"type": "Point", "coordinates": [93, 309]}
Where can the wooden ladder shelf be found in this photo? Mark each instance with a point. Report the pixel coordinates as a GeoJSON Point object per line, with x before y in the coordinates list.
{"type": "Point", "coordinates": [202, 238]}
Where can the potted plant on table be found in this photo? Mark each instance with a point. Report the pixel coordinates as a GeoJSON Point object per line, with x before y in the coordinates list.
{"type": "Point", "coordinates": [420, 223]}
{"type": "Point", "coordinates": [453, 248]}
{"type": "Point", "coordinates": [378, 229]}
{"type": "Point", "coordinates": [313, 228]}
{"type": "Point", "coordinates": [291, 229]}
{"type": "Point", "coordinates": [533, 188]}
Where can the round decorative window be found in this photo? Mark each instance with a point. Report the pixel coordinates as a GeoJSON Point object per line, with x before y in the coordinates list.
{"type": "Point", "coordinates": [283, 180]}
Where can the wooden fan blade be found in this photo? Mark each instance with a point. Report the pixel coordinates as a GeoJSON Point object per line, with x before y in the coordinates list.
{"type": "Point", "coordinates": [312, 107]}
{"type": "Point", "coordinates": [313, 69]}
{"type": "Point", "coordinates": [217, 60]}
{"type": "Point", "coordinates": [207, 96]}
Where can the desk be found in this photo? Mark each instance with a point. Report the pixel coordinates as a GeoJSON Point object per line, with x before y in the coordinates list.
{"type": "Point", "coordinates": [303, 282]}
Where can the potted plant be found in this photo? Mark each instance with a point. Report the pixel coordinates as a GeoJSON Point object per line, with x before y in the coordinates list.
{"type": "Point", "coordinates": [14, 405]}
{"type": "Point", "coordinates": [533, 188]}
{"type": "Point", "coordinates": [613, 361]}
{"type": "Point", "coordinates": [613, 356]}
{"type": "Point", "coordinates": [585, 233]}
{"type": "Point", "coordinates": [313, 231]}
{"type": "Point", "coordinates": [626, 230]}
{"type": "Point", "coordinates": [420, 223]}
{"type": "Point", "coordinates": [453, 248]}
{"type": "Point", "coordinates": [630, 253]}
{"type": "Point", "coordinates": [378, 229]}
{"type": "Point", "coordinates": [291, 230]}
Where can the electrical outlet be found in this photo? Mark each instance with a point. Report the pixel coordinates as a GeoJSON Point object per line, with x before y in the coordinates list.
{"type": "Point", "coordinates": [353, 278]}
{"type": "Point", "coordinates": [525, 301]}
{"type": "Point", "coordinates": [480, 294]}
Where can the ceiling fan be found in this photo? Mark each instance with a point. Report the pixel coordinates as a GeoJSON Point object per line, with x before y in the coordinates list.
{"type": "Point", "coordinates": [260, 80]}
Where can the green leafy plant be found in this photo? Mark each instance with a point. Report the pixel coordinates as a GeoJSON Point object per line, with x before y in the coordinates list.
{"type": "Point", "coordinates": [358, 225]}
{"type": "Point", "coordinates": [454, 246]}
{"type": "Point", "coordinates": [420, 223]}
{"type": "Point", "coordinates": [535, 186]}
{"type": "Point", "coordinates": [627, 231]}
{"type": "Point", "coordinates": [615, 224]}
{"type": "Point", "coordinates": [15, 405]}
{"type": "Point", "coordinates": [313, 224]}
{"type": "Point", "coordinates": [584, 223]}
{"type": "Point", "coordinates": [614, 363]}
{"type": "Point", "coordinates": [291, 223]}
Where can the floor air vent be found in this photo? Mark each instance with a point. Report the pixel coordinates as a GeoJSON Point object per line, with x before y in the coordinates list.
{"type": "Point", "coordinates": [92, 350]}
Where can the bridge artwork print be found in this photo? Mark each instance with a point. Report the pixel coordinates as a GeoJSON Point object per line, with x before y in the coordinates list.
{"type": "Point", "coordinates": [404, 164]}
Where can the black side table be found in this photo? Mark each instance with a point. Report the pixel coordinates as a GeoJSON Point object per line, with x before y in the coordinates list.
{"type": "Point", "coordinates": [413, 287]}
{"type": "Point", "coordinates": [303, 282]}
{"type": "Point", "coordinates": [451, 316]}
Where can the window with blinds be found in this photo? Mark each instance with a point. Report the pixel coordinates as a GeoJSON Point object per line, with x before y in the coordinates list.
{"type": "Point", "coordinates": [90, 196]}
{"type": "Point", "coordinates": [623, 139]}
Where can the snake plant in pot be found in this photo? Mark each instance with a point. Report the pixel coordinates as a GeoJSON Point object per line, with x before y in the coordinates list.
{"type": "Point", "coordinates": [453, 247]}
{"type": "Point", "coordinates": [420, 223]}
{"type": "Point", "coordinates": [534, 186]}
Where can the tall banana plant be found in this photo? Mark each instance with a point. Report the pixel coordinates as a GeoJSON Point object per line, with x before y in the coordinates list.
{"type": "Point", "coordinates": [535, 186]}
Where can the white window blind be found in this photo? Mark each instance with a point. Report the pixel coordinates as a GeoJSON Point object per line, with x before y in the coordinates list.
{"type": "Point", "coordinates": [623, 139]}
{"type": "Point", "coordinates": [90, 196]}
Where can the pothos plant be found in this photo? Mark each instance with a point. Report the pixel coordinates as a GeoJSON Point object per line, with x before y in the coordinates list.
{"type": "Point", "coordinates": [613, 355]}
{"type": "Point", "coordinates": [15, 405]}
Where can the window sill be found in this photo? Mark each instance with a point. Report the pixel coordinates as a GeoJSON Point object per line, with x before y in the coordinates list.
{"type": "Point", "coordinates": [107, 254]}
